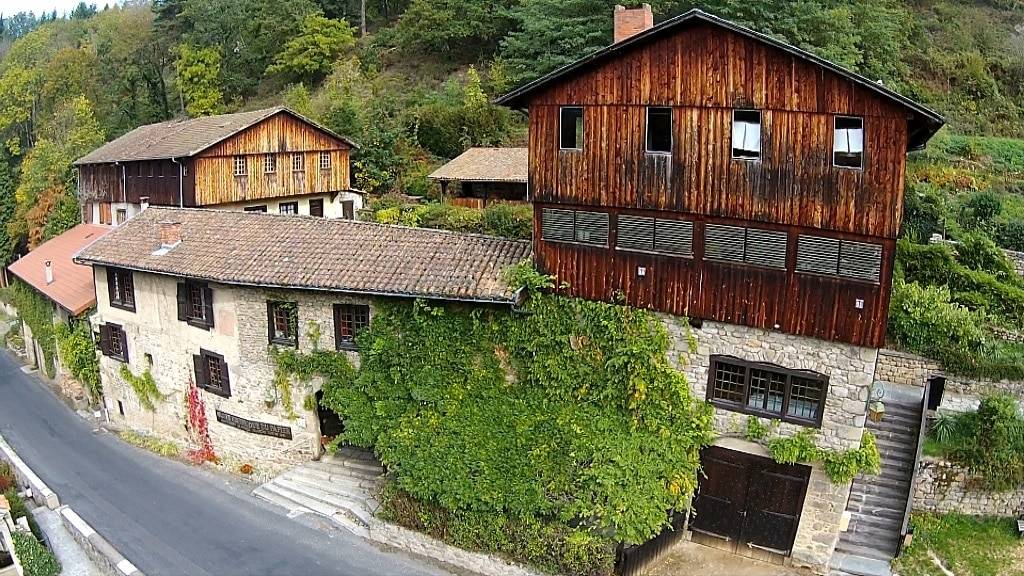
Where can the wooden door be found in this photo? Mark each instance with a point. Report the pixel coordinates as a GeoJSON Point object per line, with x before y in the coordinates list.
{"type": "Point", "coordinates": [722, 495]}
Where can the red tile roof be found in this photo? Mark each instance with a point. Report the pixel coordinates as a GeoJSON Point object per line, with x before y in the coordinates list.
{"type": "Point", "coordinates": [72, 286]}
{"type": "Point", "coordinates": [304, 252]}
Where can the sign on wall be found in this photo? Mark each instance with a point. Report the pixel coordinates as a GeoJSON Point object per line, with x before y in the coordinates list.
{"type": "Point", "coordinates": [253, 426]}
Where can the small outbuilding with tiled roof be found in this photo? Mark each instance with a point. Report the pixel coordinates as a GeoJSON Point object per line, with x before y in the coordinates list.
{"type": "Point", "coordinates": [486, 175]}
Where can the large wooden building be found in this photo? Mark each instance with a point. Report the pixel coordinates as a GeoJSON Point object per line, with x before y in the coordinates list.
{"type": "Point", "coordinates": [266, 160]}
{"type": "Point", "coordinates": [703, 169]}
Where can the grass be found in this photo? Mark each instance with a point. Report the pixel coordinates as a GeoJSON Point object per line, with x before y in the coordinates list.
{"type": "Point", "coordinates": [163, 448]}
{"type": "Point", "coordinates": [965, 545]}
{"type": "Point", "coordinates": [933, 447]}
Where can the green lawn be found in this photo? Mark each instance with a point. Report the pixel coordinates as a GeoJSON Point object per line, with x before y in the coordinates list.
{"type": "Point", "coordinates": [965, 545]}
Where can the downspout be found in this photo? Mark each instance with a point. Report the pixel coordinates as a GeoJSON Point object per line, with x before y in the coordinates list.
{"type": "Point", "coordinates": [181, 183]}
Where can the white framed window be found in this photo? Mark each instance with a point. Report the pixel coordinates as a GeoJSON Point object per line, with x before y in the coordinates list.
{"type": "Point", "coordinates": [848, 142]}
{"type": "Point", "coordinates": [746, 134]}
{"type": "Point", "coordinates": [269, 163]}
{"type": "Point", "coordinates": [298, 162]}
{"type": "Point", "coordinates": [240, 166]}
{"type": "Point", "coordinates": [570, 130]}
{"type": "Point", "coordinates": [325, 161]}
{"type": "Point", "coordinates": [659, 130]}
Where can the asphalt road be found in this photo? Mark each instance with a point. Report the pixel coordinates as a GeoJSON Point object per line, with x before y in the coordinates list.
{"type": "Point", "coordinates": [169, 518]}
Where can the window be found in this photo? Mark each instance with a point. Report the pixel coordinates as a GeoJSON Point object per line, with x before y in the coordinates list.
{"type": "Point", "coordinates": [796, 396]}
{"type": "Point", "coordinates": [283, 323]}
{"type": "Point", "coordinates": [288, 207]}
{"type": "Point", "coordinates": [316, 207]}
{"type": "Point", "coordinates": [834, 257]}
{"type": "Point", "coordinates": [659, 130]}
{"type": "Point", "coordinates": [212, 373]}
{"type": "Point", "coordinates": [114, 342]}
{"type": "Point", "coordinates": [753, 246]}
{"type": "Point", "coordinates": [325, 161]}
{"type": "Point", "coordinates": [195, 304]}
{"type": "Point", "coordinates": [646, 234]}
{"type": "Point", "coordinates": [122, 215]}
{"type": "Point", "coordinates": [348, 210]}
{"type": "Point", "coordinates": [349, 319]}
{"type": "Point", "coordinates": [570, 133]}
{"type": "Point", "coordinates": [269, 163]}
{"type": "Point", "coordinates": [260, 208]}
{"type": "Point", "coordinates": [575, 226]}
{"type": "Point", "coordinates": [848, 142]}
{"type": "Point", "coordinates": [121, 288]}
{"type": "Point", "coordinates": [746, 134]}
{"type": "Point", "coordinates": [298, 162]}
{"type": "Point", "coordinates": [240, 166]}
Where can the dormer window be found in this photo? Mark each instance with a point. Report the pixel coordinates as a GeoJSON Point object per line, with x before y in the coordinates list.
{"type": "Point", "coordinates": [848, 142]}
{"type": "Point", "coordinates": [240, 169]}
{"type": "Point", "coordinates": [659, 130]}
{"type": "Point", "coordinates": [570, 132]}
{"type": "Point", "coordinates": [746, 134]}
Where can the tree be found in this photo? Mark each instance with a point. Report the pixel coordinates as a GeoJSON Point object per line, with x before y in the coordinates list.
{"type": "Point", "coordinates": [83, 11]}
{"type": "Point", "coordinates": [199, 80]}
{"type": "Point", "coordinates": [311, 55]}
{"type": "Point", "coordinates": [466, 29]}
{"type": "Point", "coordinates": [7, 208]}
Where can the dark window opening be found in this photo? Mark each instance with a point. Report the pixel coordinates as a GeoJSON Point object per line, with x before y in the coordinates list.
{"type": "Point", "coordinates": [114, 342]}
{"type": "Point", "coordinates": [195, 304]}
{"type": "Point", "coordinates": [571, 128]}
{"type": "Point", "coordinates": [769, 391]}
{"type": "Point", "coordinates": [659, 130]}
{"type": "Point", "coordinates": [211, 373]}
{"type": "Point", "coordinates": [349, 320]}
{"type": "Point", "coordinates": [120, 407]}
{"type": "Point", "coordinates": [348, 210]}
{"type": "Point", "coordinates": [282, 323]}
{"type": "Point", "coordinates": [260, 208]}
{"type": "Point", "coordinates": [288, 208]}
{"type": "Point", "coordinates": [848, 142]}
{"type": "Point", "coordinates": [746, 134]}
{"type": "Point", "coordinates": [316, 207]}
{"type": "Point", "coordinates": [121, 288]}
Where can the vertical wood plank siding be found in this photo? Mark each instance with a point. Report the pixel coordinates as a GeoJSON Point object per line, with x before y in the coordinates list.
{"type": "Point", "coordinates": [157, 180]}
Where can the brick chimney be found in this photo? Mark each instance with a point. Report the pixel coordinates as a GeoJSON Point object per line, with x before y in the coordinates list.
{"type": "Point", "coordinates": [632, 21]}
{"type": "Point", "coordinates": [170, 234]}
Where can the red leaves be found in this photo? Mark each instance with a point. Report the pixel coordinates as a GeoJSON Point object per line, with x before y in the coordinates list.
{"type": "Point", "coordinates": [198, 427]}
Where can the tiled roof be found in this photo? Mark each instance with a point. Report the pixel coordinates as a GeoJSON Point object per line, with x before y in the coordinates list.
{"type": "Point", "coordinates": [72, 285]}
{"type": "Point", "coordinates": [259, 249]}
{"type": "Point", "coordinates": [183, 138]}
{"type": "Point", "coordinates": [487, 165]}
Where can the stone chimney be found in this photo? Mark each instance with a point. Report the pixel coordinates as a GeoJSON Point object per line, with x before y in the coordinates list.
{"type": "Point", "coordinates": [48, 272]}
{"type": "Point", "coordinates": [143, 202]}
{"type": "Point", "coordinates": [632, 21]}
{"type": "Point", "coordinates": [170, 234]}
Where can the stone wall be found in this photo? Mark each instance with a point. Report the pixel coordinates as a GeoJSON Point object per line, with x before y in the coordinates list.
{"type": "Point", "coordinates": [945, 487]}
{"type": "Point", "coordinates": [850, 371]}
{"type": "Point", "coordinates": [157, 340]}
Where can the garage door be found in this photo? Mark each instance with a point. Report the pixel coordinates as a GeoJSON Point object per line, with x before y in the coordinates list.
{"type": "Point", "coordinates": [749, 500]}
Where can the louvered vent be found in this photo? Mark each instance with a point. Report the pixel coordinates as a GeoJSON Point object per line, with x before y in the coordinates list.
{"type": "Point", "coordinates": [592, 228]}
{"type": "Point", "coordinates": [817, 255]}
{"type": "Point", "coordinates": [860, 260]}
{"type": "Point", "coordinates": [766, 248]}
{"type": "Point", "coordinates": [635, 233]}
{"type": "Point", "coordinates": [557, 225]}
{"type": "Point", "coordinates": [673, 237]}
{"type": "Point", "coordinates": [724, 243]}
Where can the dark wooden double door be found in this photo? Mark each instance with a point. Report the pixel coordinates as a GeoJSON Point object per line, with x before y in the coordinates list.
{"type": "Point", "coordinates": [749, 501]}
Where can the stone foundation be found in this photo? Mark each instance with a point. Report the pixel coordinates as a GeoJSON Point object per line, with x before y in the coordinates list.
{"type": "Point", "coordinates": [945, 487]}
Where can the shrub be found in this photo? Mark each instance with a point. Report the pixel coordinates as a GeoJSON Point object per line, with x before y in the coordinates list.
{"type": "Point", "coordinates": [923, 212]}
{"type": "Point", "coordinates": [78, 353]}
{"type": "Point", "coordinates": [988, 441]}
{"type": "Point", "coordinates": [509, 221]}
{"type": "Point", "coordinates": [978, 252]}
{"type": "Point", "coordinates": [19, 509]}
{"type": "Point", "coordinates": [923, 319]}
{"type": "Point", "coordinates": [7, 479]}
{"type": "Point", "coordinates": [980, 210]}
{"type": "Point", "coordinates": [1010, 235]}
{"type": "Point", "coordinates": [34, 557]}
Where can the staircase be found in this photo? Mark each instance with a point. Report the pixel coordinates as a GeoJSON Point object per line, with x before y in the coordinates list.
{"type": "Point", "coordinates": [877, 503]}
{"type": "Point", "coordinates": [341, 487]}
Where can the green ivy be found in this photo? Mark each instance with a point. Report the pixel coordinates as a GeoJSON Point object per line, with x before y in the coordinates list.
{"type": "Point", "coordinates": [144, 386]}
{"type": "Point", "coordinates": [566, 410]}
{"type": "Point", "coordinates": [36, 311]}
{"type": "Point", "coordinates": [291, 363]}
{"type": "Point", "coordinates": [757, 430]}
{"type": "Point", "coordinates": [78, 354]}
{"type": "Point", "coordinates": [35, 559]}
{"type": "Point", "coordinates": [841, 466]}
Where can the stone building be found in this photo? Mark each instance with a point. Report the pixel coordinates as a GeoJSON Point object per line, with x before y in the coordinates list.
{"type": "Point", "coordinates": [203, 296]}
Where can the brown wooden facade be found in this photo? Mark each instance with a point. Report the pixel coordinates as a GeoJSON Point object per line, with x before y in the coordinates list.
{"type": "Point", "coordinates": [704, 72]}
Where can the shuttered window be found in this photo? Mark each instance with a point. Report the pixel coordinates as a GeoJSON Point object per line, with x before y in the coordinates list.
{"type": "Point", "coordinates": [211, 372]}
{"type": "Point", "coordinates": [635, 233]}
{"type": "Point", "coordinates": [766, 248]}
{"type": "Point", "coordinates": [673, 237]}
{"type": "Point", "coordinates": [754, 246]}
{"type": "Point", "coordinates": [746, 134]}
{"type": "Point", "coordinates": [195, 304]}
{"type": "Point", "coordinates": [845, 258]}
{"type": "Point", "coordinates": [114, 342]}
{"type": "Point", "coordinates": [848, 142]}
{"type": "Point", "coordinates": [724, 243]}
{"type": "Point", "coordinates": [283, 323]}
{"type": "Point", "coordinates": [579, 226]}
{"type": "Point", "coordinates": [654, 235]}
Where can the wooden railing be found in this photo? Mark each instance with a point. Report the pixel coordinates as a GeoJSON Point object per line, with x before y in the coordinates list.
{"type": "Point", "coordinates": [921, 432]}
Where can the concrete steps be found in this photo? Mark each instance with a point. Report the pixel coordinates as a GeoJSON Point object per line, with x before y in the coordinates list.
{"type": "Point", "coordinates": [341, 487]}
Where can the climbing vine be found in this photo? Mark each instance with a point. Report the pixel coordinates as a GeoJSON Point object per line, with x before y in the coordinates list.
{"type": "Point", "coordinates": [36, 311]}
{"type": "Point", "coordinates": [78, 353]}
{"type": "Point", "coordinates": [841, 466]}
{"type": "Point", "coordinates": [144, 387]}
{"type": "Point", "coordinates": [198, 427]}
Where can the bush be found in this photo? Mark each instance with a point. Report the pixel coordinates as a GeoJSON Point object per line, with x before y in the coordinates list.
{"type": "Point", "coordinates": [980, 210]}
{"type": "Point", "coordinates": [978, 252]}
{"type": "Point", "coordinates": [509, 221]}
{"type": "Point", "coordinates": [923, 211]}
{"type": "Point", "coordinates": [547, 544]}
{"type": "Point", "coordinates": [1010, 235]}
{"type": "Point", "coordinates": [7, 479]}
{"type": "Point", "coordinates": [78, 353]}
{"type": "Point", "coordinates": [989, 441]}
{"type": "Point", "coordinates": [20, 510]}
{"type": "Point", "coordinates": [923, 319]}
{"type": "Point", "coordinates": [34, 557]}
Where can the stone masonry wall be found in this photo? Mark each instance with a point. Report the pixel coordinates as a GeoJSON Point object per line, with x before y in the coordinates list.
{"type": "Point", "coordinates": [240, 335]}
{"type": "Point", "coordinates": [945, 487]}
{"type": "Point", "coordinates": [850, 371]}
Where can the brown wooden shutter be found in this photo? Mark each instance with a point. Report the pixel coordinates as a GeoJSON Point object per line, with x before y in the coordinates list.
{"type": "Point", "coordinates": [105, 339]}
{"type": "Point", "coordinates": [208, 305]}
{"type": "Point", "coordinates": [225, 379]}
{"type": "Point", "coordinates": [200, 369]}
{"type": "Point", "coordinates": [124, 345]}
{"type": "Point", "coordinates": [270, 322]}
{"type": "Point", "coordinates": [182, 301]}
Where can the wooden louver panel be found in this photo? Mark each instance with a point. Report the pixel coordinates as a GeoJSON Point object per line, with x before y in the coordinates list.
{"type": "Point", "coordinates": [557, 225]}
{"type": "Point", "coordinates": [860, 260]}
{"type": "Point", "coordinates": [592, 228]}
{"type": "Point", "coordinates": [724, 243]}
{"type": "Point", "coordinates": [766, 248]}
{"type": "Point", "coordinates": [635, 233]}
{"type": "Point", "coordinates": [817, 255]}
{"type": "Point", "coordinates": [673, 237]}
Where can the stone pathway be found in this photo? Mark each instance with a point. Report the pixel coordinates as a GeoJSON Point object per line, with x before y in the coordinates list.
{"type": "Point", "coordinates": [73, 560]}
{"type": "Point", "coordinates": [690, 559]}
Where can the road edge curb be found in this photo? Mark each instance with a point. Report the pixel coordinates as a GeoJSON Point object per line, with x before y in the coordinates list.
{"type": "Point", "coordinates": [96, 546]}
{"type": "Point", "coordinates": [41, 493]}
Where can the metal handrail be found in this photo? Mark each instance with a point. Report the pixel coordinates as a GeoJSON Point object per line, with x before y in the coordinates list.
{"type": "Point", "coordinates": [922, 430]}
